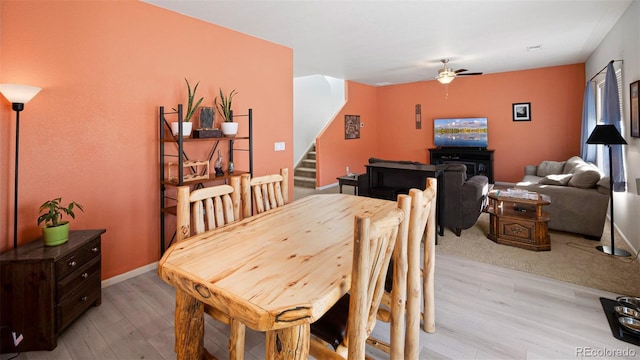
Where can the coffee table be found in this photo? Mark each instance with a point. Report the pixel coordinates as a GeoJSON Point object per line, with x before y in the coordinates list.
{"type": "Point", "coordinates": [517, 219]}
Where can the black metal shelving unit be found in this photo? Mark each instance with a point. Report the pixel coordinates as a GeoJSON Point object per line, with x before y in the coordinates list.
{"type": "Point", "coordinates": [166, 208]}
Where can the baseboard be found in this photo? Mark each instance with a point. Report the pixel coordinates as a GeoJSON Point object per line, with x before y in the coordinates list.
{"type": "Point", "coordinates": [327, 186]}
{"type": "Point", "coordinates": [130, 274]}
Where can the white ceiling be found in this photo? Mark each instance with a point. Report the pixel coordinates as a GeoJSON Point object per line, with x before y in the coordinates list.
{"type": "Point", "coordinates": [394, 41]}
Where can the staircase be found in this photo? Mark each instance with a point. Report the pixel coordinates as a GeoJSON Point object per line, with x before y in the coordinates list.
{"type": "Point", "coordinates": [305, 173]}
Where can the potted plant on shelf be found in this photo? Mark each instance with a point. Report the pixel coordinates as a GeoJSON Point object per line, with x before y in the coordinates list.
{"type": "Point", "coordinates": [55, 231]}
{"type": "Point", "coordinates": [229, 127]}
{"type": "Point", "coordinates": [187, 126]}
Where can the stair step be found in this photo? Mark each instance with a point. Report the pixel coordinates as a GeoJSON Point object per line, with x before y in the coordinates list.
{"type": "Point", "coordinates": [309, 162]}
{"type": "Point", "coordinates": [306, 175]}
{"type": "Point", "coordinates": [306, 170]}
{"type": "Point", "coordinates": [304, 182]}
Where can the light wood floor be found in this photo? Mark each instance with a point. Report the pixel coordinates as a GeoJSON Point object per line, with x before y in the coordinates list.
{"type": "Point", "coordinates": [482, 312]}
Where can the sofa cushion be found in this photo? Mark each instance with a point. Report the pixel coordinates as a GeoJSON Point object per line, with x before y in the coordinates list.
{"type": "Point", "coordinates": [556, 179]}
{"type": "Point", "coordinates": [604, 181]}
{"type": "Point", "coordinates": [571, 164]}
{"type": "Point", "coordinates": [585, 176]}
{"type": "Point", "coordinates": [549, 168]}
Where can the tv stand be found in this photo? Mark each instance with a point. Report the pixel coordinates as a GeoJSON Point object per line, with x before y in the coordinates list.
{"type": "Point", "coordinates": [479, 161]}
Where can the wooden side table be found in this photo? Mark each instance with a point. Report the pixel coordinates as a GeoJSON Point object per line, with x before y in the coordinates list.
{"type": "Point", "coordinates": [351, 180]}
{"type": "Point", "coordinates": [519, 222]}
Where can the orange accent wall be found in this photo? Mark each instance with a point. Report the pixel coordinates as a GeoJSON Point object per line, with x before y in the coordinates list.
{"type": "Point", "coordinates": [91, 134]}
{"type": "Point", "coordinates": [555, 94]}
{"type": "Point", "coordinates": [334, 152]}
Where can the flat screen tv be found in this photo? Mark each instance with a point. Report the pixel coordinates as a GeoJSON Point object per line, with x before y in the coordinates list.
{"type": "Point", "coordinates": [460, 132]}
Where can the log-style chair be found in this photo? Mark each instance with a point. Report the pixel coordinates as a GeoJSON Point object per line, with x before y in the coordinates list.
{"type": "Point", "coordinates": [405, 278]}
{"type": "Point", "coordinates": [342, 332]}
{"type": "Point", "coordinates": [209, 208]}
{"type": "Point", "coordinates": [267, 192]}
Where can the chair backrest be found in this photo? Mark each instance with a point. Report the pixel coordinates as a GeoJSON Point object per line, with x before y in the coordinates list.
{"type": "Point", "coordinates": [372, 250]}
{"type": "Point", "coordinates": [422, 223]}
{"type": "Point", "coordinates": [402, 296]}
{"type": "Point", "coordinates": [207, 208]}
{"type": "Point", "coordinates": [267, 192]}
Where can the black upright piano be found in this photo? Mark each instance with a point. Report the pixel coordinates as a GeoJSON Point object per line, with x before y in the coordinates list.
{"type": "Point", "coordinates": [385, 180]}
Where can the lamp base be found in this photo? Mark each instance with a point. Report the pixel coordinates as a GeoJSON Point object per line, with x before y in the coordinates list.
{"type": "Point", "coordinates": [616, 251]}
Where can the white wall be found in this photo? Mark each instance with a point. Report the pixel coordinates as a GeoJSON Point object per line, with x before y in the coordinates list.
{"type": "Point", "coordinates": [623, 42]}
{"type": "Point", "coordinates": [316, 100]}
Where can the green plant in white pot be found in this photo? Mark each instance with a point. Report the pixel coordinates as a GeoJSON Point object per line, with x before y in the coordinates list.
{"type": "Point", "coordinates": [187, 126]}
{"type": "Point", "coordinates": [56, 231]}
{"type": "Point", "coordinates": [229, 127]}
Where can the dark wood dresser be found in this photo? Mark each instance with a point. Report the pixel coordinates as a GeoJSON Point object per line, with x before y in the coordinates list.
{"type": "Point", "coordinates": [44, 289]}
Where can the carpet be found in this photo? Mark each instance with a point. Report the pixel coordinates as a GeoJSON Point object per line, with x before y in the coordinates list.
{"type": "Point", "coordinates": [572, 258]}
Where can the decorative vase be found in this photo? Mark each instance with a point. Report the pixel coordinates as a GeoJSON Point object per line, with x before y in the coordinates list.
{"type": "Point", "coordinates": [186, 128]}
{"type": "Point", "coordinates": [229, 129]}
{"type": "Point", "coordinates": [218, 165]}
{"type": "Point", "coordinates": [54, 236]}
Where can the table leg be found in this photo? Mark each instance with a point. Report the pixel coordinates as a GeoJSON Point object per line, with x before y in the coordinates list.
{"type": "Point", "coordinates": [340, 185]}
{"type": "Point", "coordinates": [189, 326]}
{"type": "Point", "coordinates": [289, 343]}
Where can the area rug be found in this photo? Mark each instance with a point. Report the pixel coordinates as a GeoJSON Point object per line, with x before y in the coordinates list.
{"type": "Point", "coordinates": [572, 258]}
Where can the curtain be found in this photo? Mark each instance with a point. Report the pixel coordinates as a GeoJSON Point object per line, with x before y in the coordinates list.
{"type": "Point", "coordinates": [611, 116]}
{"type": "Point", "coordinates": [587, 151]}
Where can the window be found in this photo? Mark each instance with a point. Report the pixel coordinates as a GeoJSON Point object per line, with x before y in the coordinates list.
{"type": "Point", "coordinates": [600, 152]}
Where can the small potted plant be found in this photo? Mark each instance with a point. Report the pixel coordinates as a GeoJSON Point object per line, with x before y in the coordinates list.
{"type": "Point", "coordinates": [187, 126]}
{"type": "Point", "coordinates": [55, 231]}
{"type": "Point", "coordinates": [229, 127]}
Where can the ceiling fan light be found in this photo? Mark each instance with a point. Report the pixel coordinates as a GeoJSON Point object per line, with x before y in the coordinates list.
{"type": "Point", "coordinates": [445, 79]}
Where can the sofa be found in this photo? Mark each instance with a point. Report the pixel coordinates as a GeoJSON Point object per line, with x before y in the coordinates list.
{"type": "Point", "coordinates": [579, 194]}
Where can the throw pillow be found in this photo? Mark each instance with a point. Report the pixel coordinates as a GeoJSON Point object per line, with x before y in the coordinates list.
{"type": "Point", "coordinates": [549, 168]}
{"type": "Point", "coordinates": [584, 177]}
{"type": "Point", "coordinates": [558, 179]}
{"type": "Point", "coordinates": [571, 164]}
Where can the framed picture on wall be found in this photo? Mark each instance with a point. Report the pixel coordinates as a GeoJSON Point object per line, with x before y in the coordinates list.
{"type": "Point", "coordinates": [522, 112]}
{"type": "Point", "coordinates": [352, 127]}
{"type": "Point", "coordinates": [634, 108]}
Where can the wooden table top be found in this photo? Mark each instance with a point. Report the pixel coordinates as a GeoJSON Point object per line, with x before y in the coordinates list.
{"type": "Point", "coordinates": [284, 267]}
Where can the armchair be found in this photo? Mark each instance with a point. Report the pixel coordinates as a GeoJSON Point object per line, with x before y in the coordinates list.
{"type": "Point", "coordinates": [464, 199]}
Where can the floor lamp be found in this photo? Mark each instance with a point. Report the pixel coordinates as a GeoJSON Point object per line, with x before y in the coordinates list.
{"type": "Point", "coordinates": [18, 95]}
{"type": "Point", "coordinates": [608, 135]}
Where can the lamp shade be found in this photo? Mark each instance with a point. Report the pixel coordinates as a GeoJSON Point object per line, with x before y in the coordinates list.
{"type": "Point", "coordinates": [20, 94]}
{"type": "Point", "coordinates": [605, 134]}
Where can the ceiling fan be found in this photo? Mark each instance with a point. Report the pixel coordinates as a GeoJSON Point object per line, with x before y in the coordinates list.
{"type": "Point", "coordinates": [446, 75]}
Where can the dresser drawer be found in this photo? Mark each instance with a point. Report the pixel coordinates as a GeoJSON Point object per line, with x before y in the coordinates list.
{"type": "Point", "coordinates": [76, 259]}
{"type": "Point", "coordinates": [78, 279]}
{"type": "Point", "coordinates": [75, 303]}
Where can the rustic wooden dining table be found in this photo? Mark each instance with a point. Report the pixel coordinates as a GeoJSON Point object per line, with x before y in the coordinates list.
{"type": "Point", "coordinates": [276, 272]}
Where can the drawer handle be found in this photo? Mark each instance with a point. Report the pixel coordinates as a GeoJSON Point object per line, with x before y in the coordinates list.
{"type": "Point", "coordinates": [84, 298]}
{"type": "Point", "coordinates": [95, 249]}
{"type": "Point", "coordinates": [85, 275]}
{"type": "Point", "coordinates": [73, 263]}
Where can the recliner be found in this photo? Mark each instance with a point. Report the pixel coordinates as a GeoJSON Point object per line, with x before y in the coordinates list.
{"type": "Point", "coordinates": [464, 199]}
